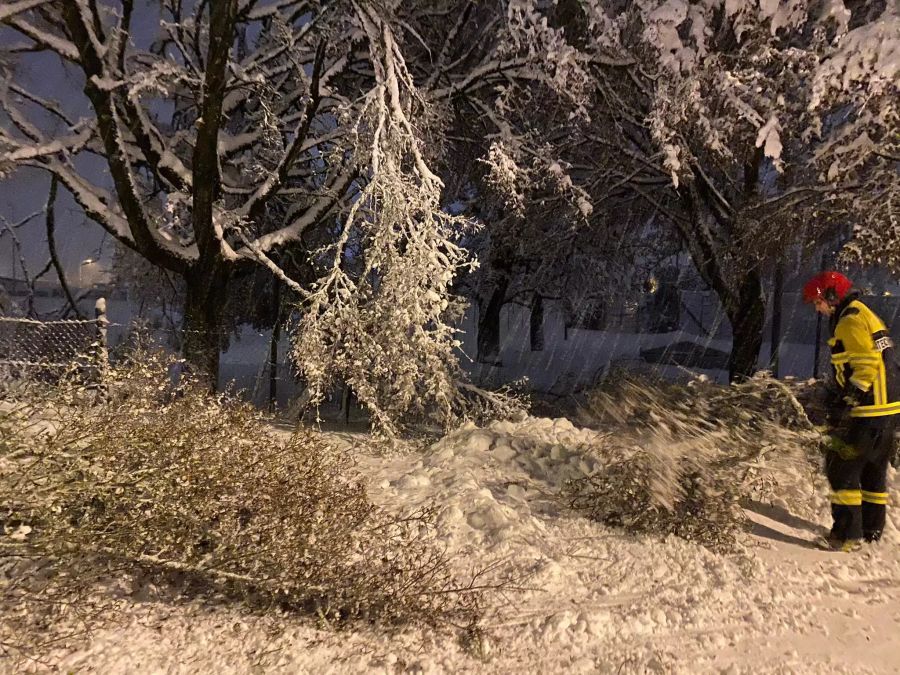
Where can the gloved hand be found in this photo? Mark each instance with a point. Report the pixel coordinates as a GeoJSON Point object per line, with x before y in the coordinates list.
{"type": "Point", "coordinates": [852, 398]}
{"type": "Point", "coordinates": [841, 402]}
{"type": "Point", "coordinates": [839, 417]}
{"type": "Point", "coordinates": [840, 447]}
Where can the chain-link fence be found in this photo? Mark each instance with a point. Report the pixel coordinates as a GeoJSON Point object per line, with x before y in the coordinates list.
{"type": "Point", "coordinates": [34, 350]}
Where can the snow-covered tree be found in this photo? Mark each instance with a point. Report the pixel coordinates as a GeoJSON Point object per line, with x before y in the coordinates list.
{"type": "Point", "coordinates": [235, 129]}
{"type": "Point", "coordinates": [516, 167]}
{"type": "Point", "coordinates": [747, 125]}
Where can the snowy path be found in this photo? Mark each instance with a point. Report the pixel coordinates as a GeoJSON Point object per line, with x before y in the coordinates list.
{"type": "Point", "coordinates": [593, 599]}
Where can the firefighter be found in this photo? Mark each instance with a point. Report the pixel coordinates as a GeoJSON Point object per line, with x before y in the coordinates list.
{"type": "Point", "coordinates": [864, 401]}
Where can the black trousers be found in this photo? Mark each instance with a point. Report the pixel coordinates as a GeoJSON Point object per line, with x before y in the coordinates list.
{"type": "Point", "coordinates": [859, 482]}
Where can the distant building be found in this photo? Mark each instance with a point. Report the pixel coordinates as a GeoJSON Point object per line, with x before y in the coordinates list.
{"type": "Point", "coordinates": [13, 287]}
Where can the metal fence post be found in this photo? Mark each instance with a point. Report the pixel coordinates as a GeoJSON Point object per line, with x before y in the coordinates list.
{"type": "Point", "coordinates": [102, 354]}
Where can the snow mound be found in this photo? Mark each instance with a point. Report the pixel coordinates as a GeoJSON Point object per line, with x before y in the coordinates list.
{"type": "Point", "coordinates": [501, 481]}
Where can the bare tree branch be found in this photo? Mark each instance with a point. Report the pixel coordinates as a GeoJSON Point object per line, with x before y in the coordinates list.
{"type": "Point", "coordinates": [17, 7]}
{"type": "Point", "coordinates": [85, 39]}
{"type": "Point", "coordinates": [206, 177]}
{"type": "Point", "coordinates": [51, 42]}
{"type": "Point", "coordinates": [51, 244]}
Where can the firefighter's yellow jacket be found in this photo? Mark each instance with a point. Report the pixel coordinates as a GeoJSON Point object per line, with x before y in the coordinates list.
{"type": "Point", "coordinates": [862, 354]}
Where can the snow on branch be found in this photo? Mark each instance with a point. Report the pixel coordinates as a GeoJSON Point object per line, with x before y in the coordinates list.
{"type": "Point", "coordinates": [239, 130]}
{"type": "Point", "coordinates": [96, 202]}
{"type": "Point", "coordinates": [73, 143]}
{"type": "Point", "coordinates": [51, 107]}
{"type": "Point", "coordinates": [310, 216]}
{"type": "Point", "coordinates": [294, 147]}
{"type": "Point", "coordinates": [51, 41]}
{"type": "Point", "coordinates": [381, 320]}
{"type": "Point", "coordinates": [17, 7]}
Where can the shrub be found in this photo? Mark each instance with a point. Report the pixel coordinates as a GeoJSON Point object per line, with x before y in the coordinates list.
{"type": "Point", "coordinates": [682, 459]}
{"type": "Point", "coordinates": [177, 482]}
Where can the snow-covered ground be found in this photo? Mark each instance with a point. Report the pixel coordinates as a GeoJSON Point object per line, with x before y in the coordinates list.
{"type": "Point", "coordinates": [589, 598]}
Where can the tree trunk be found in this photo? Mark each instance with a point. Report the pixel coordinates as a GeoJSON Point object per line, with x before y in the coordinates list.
{"type": "Point", "coordinates": [777, 293]}
{"type": "Point", "coordinates": [740, 294]}
{"type": "Point", "coordinates": [817, 349]}
{"type": "Point", "coordinates": [203, 313]}
{"type": "Point", "coordinates": [746, 311]}
{"type": "Point", "coordinates": [489, 324]}
{"type": "Point", "coordinates": [536, 332]}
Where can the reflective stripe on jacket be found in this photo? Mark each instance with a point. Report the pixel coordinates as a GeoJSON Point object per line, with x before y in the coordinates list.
{"type": "Point", "coordinates": [862, 354]}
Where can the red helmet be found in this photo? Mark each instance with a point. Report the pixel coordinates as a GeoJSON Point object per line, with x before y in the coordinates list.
{"type": "Point", "coordinates": [830, 286]}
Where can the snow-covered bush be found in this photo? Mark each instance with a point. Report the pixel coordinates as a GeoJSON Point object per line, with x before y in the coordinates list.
{"type": "Point", "coordinates": [687, 457]}
{"type": "Point", "coordinates": [177, 484]}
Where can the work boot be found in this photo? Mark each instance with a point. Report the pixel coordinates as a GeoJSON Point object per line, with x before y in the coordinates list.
{"type": "Point", "coordinates": [831, 543]}
{"type": "Point", "coordinates": [872, 536]}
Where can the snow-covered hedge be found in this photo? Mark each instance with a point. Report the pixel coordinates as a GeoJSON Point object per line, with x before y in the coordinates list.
{"type": "Point", "coordinates": [684, 459]}
{"type": "Point", "coordinates": [176, 485]}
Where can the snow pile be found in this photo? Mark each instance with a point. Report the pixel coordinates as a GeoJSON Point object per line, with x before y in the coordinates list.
{"type": "Point", "coordinates": [529, 463]}
{"type": "Point", "coordinates": [661, 459]}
